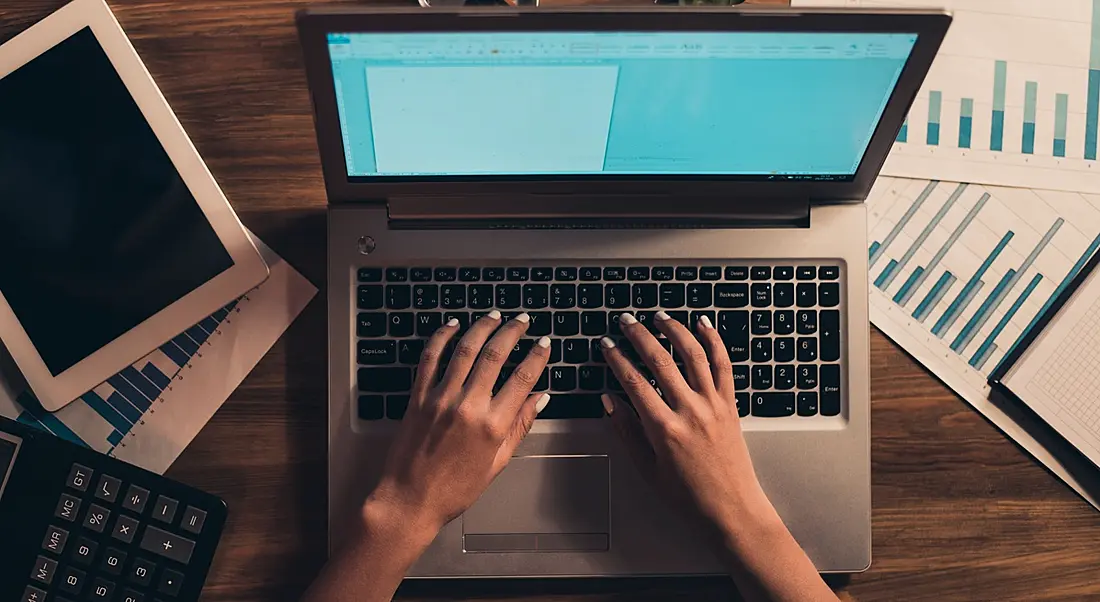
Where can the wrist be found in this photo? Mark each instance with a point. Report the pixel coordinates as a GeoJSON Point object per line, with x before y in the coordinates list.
{"type": "Point", "coordinates": [750, 524]}
{"type": "Point", "coordinates": [395, 520]}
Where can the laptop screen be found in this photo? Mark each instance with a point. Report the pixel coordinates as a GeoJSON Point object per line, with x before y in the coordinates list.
{"type": "Point", "coordinates": [769, 105]}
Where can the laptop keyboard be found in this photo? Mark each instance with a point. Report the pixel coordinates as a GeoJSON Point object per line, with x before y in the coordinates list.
{"type": "Point", "coordinates": [780, 322]}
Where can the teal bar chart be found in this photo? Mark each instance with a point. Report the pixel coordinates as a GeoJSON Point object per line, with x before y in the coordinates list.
{"type": "Point", "coordinates": [966, 122]}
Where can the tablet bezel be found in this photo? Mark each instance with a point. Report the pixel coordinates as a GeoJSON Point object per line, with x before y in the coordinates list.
{"type": "Point", "coordinates": [248, 270]}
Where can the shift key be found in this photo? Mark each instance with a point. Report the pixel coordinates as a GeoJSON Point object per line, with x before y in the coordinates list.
{"type": "Point", "coordinates": [168, 545]}
{"type": "Point", "coordinates": [385, 380]}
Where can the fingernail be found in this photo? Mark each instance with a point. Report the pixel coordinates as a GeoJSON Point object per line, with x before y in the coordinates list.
{"type": "Point", "coordinates": [542, 403]}
{"type": "Point", "coordinates": [705, 321]}
{"type": "Point", "coordinates": [493, 315]}
{"type": "Point", "coordinates": [607, 343]}
{"type": "Point", "coordinates": [452, 322]}
{"type": "Point", "coordinates": [524, 317]}
{"type": "Point", "coordinates": [608, 405]}
{"type": "Point", "coordinates": [628, 319]}
{"type": "Point", "coordinates": [544, 342]}
{"type": "Point", "coordinates": [662, 316]}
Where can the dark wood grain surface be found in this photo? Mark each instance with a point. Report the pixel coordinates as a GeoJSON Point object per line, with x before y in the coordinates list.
{"type": "Point", "coordinates": [960, 513]}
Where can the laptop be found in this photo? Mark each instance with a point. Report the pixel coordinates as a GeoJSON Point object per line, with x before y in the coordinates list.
{"type": "Point", "coordinates": [577, 164]}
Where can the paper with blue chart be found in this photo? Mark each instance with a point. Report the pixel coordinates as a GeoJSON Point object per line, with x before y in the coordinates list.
{"type": "Point", "coordinates": [148, 413]}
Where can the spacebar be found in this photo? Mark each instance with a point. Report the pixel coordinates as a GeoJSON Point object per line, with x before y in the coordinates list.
{"type": "Point", "coordinates": [563, 406]}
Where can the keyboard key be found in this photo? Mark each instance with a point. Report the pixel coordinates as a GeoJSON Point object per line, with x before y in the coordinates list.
{"type": "Point", "coordinates": [480, 296]}
{"type": "Point", "coordinates": [807, 376]}
{"type": "Point", "coordinates": [96, 518]}
{"type": "Point", "coordinates": [672, 296]}
{"type": "Point", "coordinates": [101, 591]}
{"type": "Point", "coordinates": [398, 296]}
{"type": "Point", "coordinates": [536, 296]}
{"type": "Point", "coordinates": [469, 274]}
{"type": "Point", "coordinates": [509, 296]}
{"type": "Point", "coordinates": [829, 294]}
{"type": "Point", "coordinates": [613, 383]}
{"type": "Point", "coordinates": [783, 293]}
{"type": "Point", "coordinates": [830, 390]}
{"type": "Point", "coordinates": [590, 378]}
{"type": "Point", "coordinates": [565, 274]}
{"type": "Point", "coordinates": [783, 322]}
{"type": "Point", "coordinates": [408, 352]}
{"type": "Point", "coordinates": [807, 403]}
{"type": "Point", "coordinates": [590, 274]}
{"type": "Point", "coordinates": [807, 294]}
{"type": "Point", "coordinates": [645, 318]}
{"type": "Point", "coordinates": [575, 351]}
{"type": "Point", "coordinates": [761, 295]}
{"type": "Point", "coordinates": [541, 324]}
{"type": "Point", "coordinates": [377, 353]}
{"type": "Point", "coordinates": [385, 380]}
{"type": "Point", "coordinates": [169, 545]}
{"type": "Point", "coordinates": [426, 296]}
{"type": "Point", "coordinates": [597, 352]}
{"type": "Point", "coordinates": [33, 594]}
{"type": "Point", "coordinates": [544, 381]}
{"type": "Point", "coordinates": [427, 323]}
{"type": "Point", "coordinates": [733, 328]}
{"type": "Point", "coordinates": [761, 350]}
{"type": "Point", "coordinates": [731, 295]}
{"type": "Point", "coordinates": [165, 509]}
{"type": "Point", "coordinates": [761, 322]}
{"type": "Point", "coordinates": [742, 404]}
{"type": "Point", "coordinates": [681, 317]}
{"type": "Point", "coordinates": [462, 317]}
{"type": "Point", "coordinates": [687, 273]}
{"type": "Point", "coordinates": [55, 539]}
{"type": "Point", "coordinates": [567, 323]}
{"type": "Point", "coordinates": [520, 350]}
{"type": "Point", "coordinates": [614, 274]}
{"type": "Point", "coordinates": [71, 581]}
{"type": "Point", "coordinates": [762, 377]}
{"type": "Point", "coordinates": [563, 378]}
{"type": "Point", "coordinates": [563, 296]}
{"type": "Point", "coordinates": [830, 336]}
{"type": "Point", "coordinates": [783, 272]}
{"type": "Point", "coordinates": [492, 274]}
{"type": "Point", "coordinates": [396, 406]}
{"type": "Point", "coordinates": [807, 349]}
{"type": "Point", "coordinates": [737, 272]}
{"type": "Point", "coordinates": [699, 295]}
{"type": "Point", "coordinates": [761, 272]}
{"type": "Point", "coordinates": [784, 377]}
{"type": "Point", "coordinates": [638, 273]}
{"type": "Point", "coordinates": [663, 273]}
{"type": "Point", "coordinates": [617, 296]}
{"type": "Point", "coordinates": [807, 322]}
{"type": "Point", "coordinates": [517, 274]}
{"type": "Point", "coordinates": [542, 274]}
{"type": "Point", "coordinates": [43, 570]}
{"type": "Point", "coordinates": [555, 351]}
{"type": "Point", "coordinates": [784, 349]}
{"type": "Point", "coordinates": [84, 551]}
{"type": "Point", "coordinates": [831, 272]}
{"type": "Point", "coordinates": [80, 477]}
{"type": "Point", "coordinates": [141, 572]}
{"type": "Point", "coordinates": [68, 506]}
{"type": "Point", "coordinates": [371, 325]}
{"type": "Point", "coordinates": [446, 274]}
{"type": "Point", "coordinates": [113, 560]}
{"type": "Point", "coordinates": [129, 595]}
{"type": "Point", "coordinates": [695, 315]}
{"type": "Point", "coordinates": [573, 406]}
{"type": "Point", "coordinates": [170, 582]}
{"type": "Point", "coordinates": [401, 324]}
{"type": "Point", "coordinates": [644, 296]}
{"type": "Point", "coordinates": [193, 520]}
{"type": "Point", "coordinates": [397, 275]}
{"type": "Point", "coordinates": [710, 273]}
{"type": "Point", "coordinates": [740, 377]}
{"type": "Point", "coordinates": [370, 296]}
{"type": "Point", "coordinates": [125, 528]}
{"type": "Point", "coordinates": [594, 323]}
{"type": "Point", "coordinates": [773, 405]}
{"type": "Point", "coordinates": [806, 272]}
{"type": "Point", "coordinates": [452, 296]}
{"type": "Point", "coordinates": [420, 274]}
{"type": "Point", "coordinates": [590, 296]}
{"type": "Point", "coordinates": [613, 327]}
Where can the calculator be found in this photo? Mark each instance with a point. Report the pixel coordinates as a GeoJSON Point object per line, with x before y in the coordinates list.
{"type": "Point", "coordinates": [76, 525]}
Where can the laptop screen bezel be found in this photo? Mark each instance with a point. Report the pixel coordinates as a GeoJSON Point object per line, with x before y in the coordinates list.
{"type": "Point", "coordinates": [315, 26]}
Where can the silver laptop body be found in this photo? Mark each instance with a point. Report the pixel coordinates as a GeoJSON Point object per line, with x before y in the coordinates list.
{"type": "Point", "coordinates": [421, 201]}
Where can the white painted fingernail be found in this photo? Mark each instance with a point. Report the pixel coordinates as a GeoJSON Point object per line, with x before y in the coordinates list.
{"type": "Point", "coordinates": [494, 315]}
{"type": "Point", "coordinates": [544, 342]}
{"type": "Point", "coordinates": [705, 321]}
{"type": "Point", "coordinates": [452, 322]}
{"type": "Point", "coordinates": [662, 316]}
{"type": "Point", "coordinates": [628, 319]}
{"type": "Point", "coordinates": [524, 317]}
{"type": "Point", "coordinates": [541, 404]}
{"type": "Point", "coordinates": [607, 343]}
{"type": "Point", "coordinates": [608, 405]}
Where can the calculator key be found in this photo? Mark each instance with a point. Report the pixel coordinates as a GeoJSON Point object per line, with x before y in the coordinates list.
{"type": "Point", "coordinates": [193, 518]}
{"type": "Point", "coordinates": [96, 518]}
{"type": "Point", "coordinates": [165, 509]}
{"type": "Point", "coordinates": [135, 499]}
{"type": "Point", "coordinates": [102, 590]}
{"type": "Point", "coordinates": [113, 560]}
{"type": "Point", "coordinates": [67, 507]}
{"type": "Point", "coordinates": [831, 272]}
{"type": "Point", "coordinates": [55, 539]}
{"type": "Point", "coordinates": [79, 477]}
{"type": "Point", "coordinates": [141, 572]}
{"type": "Point", "coordinates": [170, 582]}
{"type": "Point", "coordinates": [43, 570]}
{"type": "Point", "coordinates": [171, 546]}
{"type": "Point", "coordinates": [33, 594]}
{"type": "Point", "coordinates": [806, 272]}
{"type": "Point", "coordinates": [72, 581]}
{"type": "Point", "coordinates": [125, 529]}
{"type": "Point", "coordinates": [129, 595]}
{"type": "Point", "coordinates": [84, 551]}
{"type": "Point", "coordinates": [108, 488]}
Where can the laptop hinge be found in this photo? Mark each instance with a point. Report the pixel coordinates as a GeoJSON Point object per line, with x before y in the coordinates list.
{"type": "Point", "coordinates": [602, 212]}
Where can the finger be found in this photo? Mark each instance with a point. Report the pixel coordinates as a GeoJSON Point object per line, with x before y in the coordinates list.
{"type": "Point", "coordinates": [429, 360]}
{"type": "Point", "coordinates": [468, 349]}
{"type": "Point", "coordinates": [494, 354]}
{"type": "Point", "coordinates": [691, 353]}
{"type": "Point", "coordinates": [526, 375]}
{"type": "Point", "coordinates": [657, 359]}
{"type": "Point", "coordinates": [721, 368]}
{"type": "Point", "coordinates": [521, 425]}
{"type": "Point", "coordinates": [631, 432]}
{"type": "Point", "coordinates": [651, 408]}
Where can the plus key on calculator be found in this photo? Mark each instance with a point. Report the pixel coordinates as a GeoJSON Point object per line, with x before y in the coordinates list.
{"type": "Point", "coordinates": [76, 525]}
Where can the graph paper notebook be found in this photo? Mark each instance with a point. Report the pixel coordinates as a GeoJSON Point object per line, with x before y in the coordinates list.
{"type": "Point", "coordinates": [1055, 369]}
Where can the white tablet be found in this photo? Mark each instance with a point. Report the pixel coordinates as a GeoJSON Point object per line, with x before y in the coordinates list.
{"type": "Point", "coordinates": [114, 237]}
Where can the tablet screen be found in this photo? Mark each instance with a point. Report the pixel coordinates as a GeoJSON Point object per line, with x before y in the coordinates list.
{"type": "Point", "coordinates": [98, 232]}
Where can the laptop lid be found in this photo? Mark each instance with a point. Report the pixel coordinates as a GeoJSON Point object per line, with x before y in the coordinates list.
{"type": "Point", "coordinates": [716, 103]}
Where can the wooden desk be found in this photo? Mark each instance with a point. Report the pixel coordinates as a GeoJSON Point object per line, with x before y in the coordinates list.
{"type": "Point", "coordinates": [959, 512]}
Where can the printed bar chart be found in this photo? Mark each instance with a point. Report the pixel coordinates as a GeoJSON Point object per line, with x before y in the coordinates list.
{"type": "Point", "coordinates": [935, 102]}
{"type": "Point", "coordinates": [934, 296]}
{"type": "Point", "coordinates": [1092, 119]}
{"type": "Point", "coordinates": [887, 278]}
{"type": "Point", "coordinates": [903, 297]}
{"type": "Point", "coordinates": [903, 133]}
{"type": "Point", "coordinates": [1061, 108]}
{"type": "Point", "coordinates": [989, 346]}
{"type": "Point", "coordinates": [877, 247]}
{"type": "Point", "coordinates": [970, 289]}
{"type": "Point", "coordinates": [997, 130]}
{"type": "Point", "coordinates": [1031, 96]}
{"type": "Point", "coordinates": [966, 122]}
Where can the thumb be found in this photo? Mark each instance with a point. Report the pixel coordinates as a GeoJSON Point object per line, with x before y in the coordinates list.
{"type": "Point", "coordinates": [525, 419]}
{"type": "Point", "coordinates": [631, 432]}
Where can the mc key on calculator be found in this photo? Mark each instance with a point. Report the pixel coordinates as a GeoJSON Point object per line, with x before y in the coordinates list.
{"type": "Point", "coordinates": [76, 525]}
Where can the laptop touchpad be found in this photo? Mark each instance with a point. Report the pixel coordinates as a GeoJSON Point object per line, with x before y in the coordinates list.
{"type": "Point", "coordinates": [542, 504]}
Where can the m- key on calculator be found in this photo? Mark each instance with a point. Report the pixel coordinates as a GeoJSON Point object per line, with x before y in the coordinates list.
{"type": "Point", "coordinates": [76, 525]}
